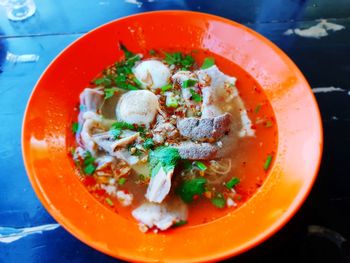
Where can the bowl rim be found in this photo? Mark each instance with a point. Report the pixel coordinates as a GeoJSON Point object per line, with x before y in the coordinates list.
{"type": "Point", "coordinates": [264, 235]}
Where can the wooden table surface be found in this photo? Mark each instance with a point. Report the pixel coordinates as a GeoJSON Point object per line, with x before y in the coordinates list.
{"type": "Point", "coordinates": [320, 230]}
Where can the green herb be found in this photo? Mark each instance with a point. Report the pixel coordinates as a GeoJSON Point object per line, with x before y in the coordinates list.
{"type": "Point", "coordinates": [233, 182]}
{"type": "Point", "coordinates": [152, 52]}
{"type": "Point", "coordinates": [166, 87]}
{"type": "Point", "coordinates": [75, 127]}
{"type": "Point", "coordinates": [267, 162]}
{"type": "Point", "coordinates": [72, 151]}
{"type": "Point", "coordinates": [89, 169]}
{"type": "Point", "coordinates": [142, 131]}
{"type": "Point", "coordinates": [128, 54]}
{"type": "Point", "coordinates": [218, 201]}
{"type": "Point", "coordinates": [109, 92]}
{"type": "Point", "coordinates": [109, 201]}
{"type": "Point", "coordinates": [179, 59]}
{"type": "Point", "coordinates": [148, 144]}
{"type": "Point", "coordinates": [257, 108]}
{"type": "Point", "coordinates": [195, 96]}
{"type": "Point", "coordinates": [188, 83]}
{"type": "Point", "coordinates": [180, 223]}
{"type": "Point", "coordinates": [105, 81]}
{"type": "Point", "coordinates": [115, 133]}
{"type": "Point", "coordinates": [208, 62]}
{"type": "Point", "coordinates": [123, 125]}
{"type": "Point", "coordinates": [187, 165]}
{"type": "Point", "coordinates": [201, 166]}
{"type": "Point", "coordinates": [164, 156]}
{"type": "Point", "coordinates": [189, 188]}
{"type": "Point", "coordinates": [268, 124]}
{"type": "Point", "coordinates": [121, 181]}
{"type": "Point", "coordinates": [89, 164]}
{"type": "Point", "coordinates": [171, 102]}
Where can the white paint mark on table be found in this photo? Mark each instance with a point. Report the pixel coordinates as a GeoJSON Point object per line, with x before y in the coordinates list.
{"type": "Point", "coordinates": [328, 89]}
{"type": "Point", "coordinates": [135, 2]}
{"type": "Point", "coordinates": [319, 30]}
{"type": "Point", "coordinates": [21, 58]}
{"type": "Point", "coordinates": [11, 234]}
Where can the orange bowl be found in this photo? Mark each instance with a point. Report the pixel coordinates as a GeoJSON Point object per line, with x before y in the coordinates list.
{"type": "Point", "coordinates": [50, 111]}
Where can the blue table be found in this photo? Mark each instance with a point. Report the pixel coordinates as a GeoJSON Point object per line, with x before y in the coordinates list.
{"type": "Point", "coordinates": [320, 228]}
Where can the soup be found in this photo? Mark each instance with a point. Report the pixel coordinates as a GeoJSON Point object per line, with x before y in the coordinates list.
{"type": "Point", "coordinates": [173, 138]}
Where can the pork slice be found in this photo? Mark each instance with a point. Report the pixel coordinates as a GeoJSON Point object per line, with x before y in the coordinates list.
{"type": "Point", "coordinates": [159, 186]}
{"type": "Point", "coordinates": [196, 151]}
{"type": "Point", "coordinates": [206, 129]}
{"type": "Point", "coordinates": [161, 216]}
{"type": "Point", "coordinates": [92, 99]}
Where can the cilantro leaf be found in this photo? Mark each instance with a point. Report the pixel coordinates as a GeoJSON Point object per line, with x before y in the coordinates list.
{"type": "Point", "coordinates": [123, 125]}
{"type": "Point", "coordinates": [75, 127]}
{"type": "Point", "coordinates": [178, 59]}
{"type": "Point", "coordinates": [105, 81]}
{"type": "Point", "coordinates": [166, 156]}
{"type": "Point", "coordinates": [109, 92]}
{"type": "Point", "coordinates": [148, 144]}
{"type": "Point", "coordinates": [188, 83]}
{"type": "Point", "coordinates": [189, 188]}
{"type": "Point", "coordinates": [195, 96]}
{"type": "Point", "coordinates": [208, 62]}
{"type": "Point", "coordinates": [115, 133]}
{"type": "Point", "coordinates": [128, 54]}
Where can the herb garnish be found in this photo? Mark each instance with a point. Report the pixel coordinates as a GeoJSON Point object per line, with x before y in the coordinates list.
{"type": "Point", "coordinates": [190, 188]}
{"type": "Point", "coordinates": [233, 182]}
{"type": "Point", "coordinates": [267, 162]}
{"type": "Point", "coordinates": [208, 62]}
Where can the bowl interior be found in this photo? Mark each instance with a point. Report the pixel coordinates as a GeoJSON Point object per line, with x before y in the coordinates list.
{"type": "Point", "coordinates": [49, 115]}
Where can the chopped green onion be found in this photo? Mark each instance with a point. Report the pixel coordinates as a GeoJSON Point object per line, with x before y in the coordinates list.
{"type": "Point", "coordinates": [75, 127]}
{"type": "Point", "coordinates": [201, 166]}
{"type": "Point", "coordinates": [233, 182]}
{"type": "Point", "coordinates": [268, 124]}
{"type": "Point", "coordinates": [218, 201]}
{"type": "Point", "coordinates": [171, 102]}
{"type": "Point", "coordinates": [148, 144]}
{"type": "Point", "coordinates": [89, 169]}
{"type": "Point", "coordinates": [208, 62]}
{"type": "Point", "coordinates": [188, 83]}
{"type": "Point", "coordinates": [109, 92]}
{"type": "Point", "coordinates": [267, 162]}
{"type": "Point", "coordinates": [195, 96]}
{"type": "Point", "coordinates": [152, 52]}
{"type": "Point", "coordinates": [257, 108]}
{"type": "Point", "coordinates": [138, 83]}
{"type": "Point", "coordinates": [180, 223]}
{"type": "Point", "coordinates": [109, 201]}
{"type": "Point", "coordinates": [166, 87]}
{"type": "Point", "coordinates": [122, 181]}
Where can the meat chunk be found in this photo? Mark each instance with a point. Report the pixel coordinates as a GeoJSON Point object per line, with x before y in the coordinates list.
{"type": "Point", "coordinates": [92, 99]}
{"type": "Point", "coordinates": [205, 129]}
{"type": "Point", "coordinates": [161, 216]}
{"type": "Point", "coordinates": [159, 186]}
{"type": "Point", "coordinates": [197, 151]}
